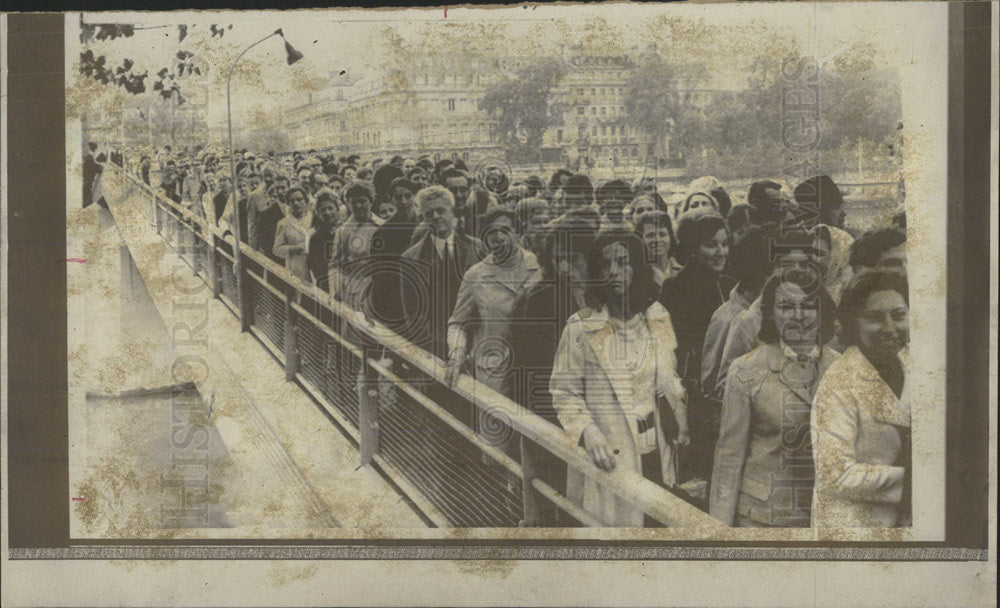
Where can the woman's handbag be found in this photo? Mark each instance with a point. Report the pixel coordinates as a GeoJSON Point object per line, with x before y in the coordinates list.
{"type": "Point", "coordinates": [668, 421]}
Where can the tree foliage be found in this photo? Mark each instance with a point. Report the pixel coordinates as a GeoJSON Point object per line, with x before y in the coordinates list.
{"type": "Point", "coordinates": [652, 102]}
{"type": "Point", "coordinates": [127, 75]}
{"type": "Point", "coordinates": [523, 107]}
{"type": "Point", "coordinates": [739, 133]}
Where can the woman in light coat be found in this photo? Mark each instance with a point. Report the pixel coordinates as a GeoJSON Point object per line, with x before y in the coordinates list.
{"type": "Point", "coordinates": [291, 238]}
{"type": "Point", "coordinates": [861, 414]}
{"type": "Point", "coordinates": [479, 326]}
{"type": "Point", "coordinates": [614, 369]}
{"type": "Point", "coordinates": [763, 470]}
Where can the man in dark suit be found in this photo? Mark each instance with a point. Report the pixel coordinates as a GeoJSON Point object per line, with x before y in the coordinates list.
{"type": "Point", "coordinates": [432, 270]}
{"type": "Point", "coordinates": [390, 241]}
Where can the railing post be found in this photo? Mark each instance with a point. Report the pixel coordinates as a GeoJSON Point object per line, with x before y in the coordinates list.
{"type": "Point", "coordinates": [195, 246]}
{"type": "Point", "coordinates": [368, 409]}
{"type": "Point", "coordinates": [531, 498]}
{"type": "Point", "coordinates": [213, 263]}
{"type": "Point", "coordinates": [242, 291]}
{"type": "Point", "coordinates": [154, 210]}
{"type": "Point", "coordinates": [159, 217]}
{"type": "Point", "coordinates": [291, 335]}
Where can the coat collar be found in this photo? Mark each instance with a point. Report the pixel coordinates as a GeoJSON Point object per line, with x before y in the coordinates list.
{"type": "Point", "coordinates": [514, 277]}
{"type": "Point", "coordinates": [776, 360]}
{"type": "Point", "coordinates": [597, 329]}
{"type": "Point", "coordinates": [881, 401]}
{"type": "Point", "coordinates": [595, 320]}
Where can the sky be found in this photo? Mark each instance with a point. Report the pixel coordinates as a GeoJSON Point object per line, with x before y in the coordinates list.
{"type": "Point", "coordinates": [355, 41]}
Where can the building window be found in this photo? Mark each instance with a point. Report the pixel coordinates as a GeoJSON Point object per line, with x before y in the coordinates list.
{"type": "Point", "coordinates": [593, 110]}
{"type": "Point", "coordinates": [593, 131]}
{"type": "Point", "coordinates": [604, 130]}
{"type": "Point", "coordinates": [580, 111]}
{"type": "Point", "coordinates": [593, 91]}
{"type": "Point", "coordinates": [559, 135]}
{"type": "Point", "coordinates": [451, 105]}
{"type": "Point", "coordinates": [582, 131]}
{"type": "Point", "coordinates": [604, 110]}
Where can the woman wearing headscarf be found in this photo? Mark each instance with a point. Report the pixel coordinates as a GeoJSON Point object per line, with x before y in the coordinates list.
{"type": "Point", "coordinates": [701, 202]}
{"type": "Point", "coordinates": [614, 382]}
{"type": "Point", "coordinates": [861, 413]}
{"type": "Point", "coordinates": [716, 190]}
{"type": "Point", "coordinates": [692, 297]}
{"type": "Point", "coordinates": [763, 474]}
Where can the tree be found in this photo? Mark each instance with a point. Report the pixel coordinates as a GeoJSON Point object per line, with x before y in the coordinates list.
{"type": "Point", "coordinates": [652, 102]}
{"type": "Point", "coordinates": [523, 108]}
{"type": "Point", "coordinates": [127, 75]}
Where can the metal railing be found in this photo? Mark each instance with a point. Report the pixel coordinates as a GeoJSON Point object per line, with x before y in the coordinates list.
{"type": "Point", "coordinates": [400, 414]}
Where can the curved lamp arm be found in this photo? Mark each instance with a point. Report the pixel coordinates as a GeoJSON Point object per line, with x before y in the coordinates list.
{"type": "Point", "coordinates": [229, 119]}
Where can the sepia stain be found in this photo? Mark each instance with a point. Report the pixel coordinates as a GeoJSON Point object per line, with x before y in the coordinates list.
{"type": "Point", "coordinates": [487, 568]}
{"type": "Point", "coordinates": [283, 574]}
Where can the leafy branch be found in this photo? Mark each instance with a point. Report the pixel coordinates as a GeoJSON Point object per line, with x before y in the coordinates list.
{"type": "Point", "coordinates": [130, 79]}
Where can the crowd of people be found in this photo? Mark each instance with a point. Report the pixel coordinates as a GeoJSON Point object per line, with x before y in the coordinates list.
{"type": "Point", "coordinates": [750, 356]}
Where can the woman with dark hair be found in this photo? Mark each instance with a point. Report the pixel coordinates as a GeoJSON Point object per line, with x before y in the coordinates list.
{"type": "Point", "coordinates": [540, 315]}
{"type": "Point", "coordinates": [612, 198]}
{"type": "Point", "coordinates": [515, 194]}
{"type": "Point", "coordinates": [614, 381]}
{"type": "Point", "coordinates": [861, 413]}
{"type": "Point", "coordinates": [750, 263]}
{"type": "Point", "coordinates": [883, 249]}
{"type": "Point", "coordinates": [692, 297]}
{"type": "Point", "coordinates": [320, 248]}
{"type": "Point", "coordinates": [763, 473]}
{"type": "Point", "coordinates": [532, 216]}
{"type": "Point", "coordinates": [291, 238]}
{"type": "Point", "coordinates": [657, 233]}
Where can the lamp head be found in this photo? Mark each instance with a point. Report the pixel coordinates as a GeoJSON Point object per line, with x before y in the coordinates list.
{"type": "Point", "coordinates": [292, 54]}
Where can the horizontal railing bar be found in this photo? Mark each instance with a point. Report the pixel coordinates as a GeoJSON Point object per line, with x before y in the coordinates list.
{"type": "Point", "coordinates": [492, 451]}
{"type": "Point", "coordinates": [268, 343]}
{"type": "Point", "coordinates": [565, 504]}
{"type": "Point", "coordinates": [219, 250]}
{"type": "Point", "coordinates": [354, 350]}
{"type": "Point", "coordinates": [434, 514]}
{"type": "Point", "coordinates": [274, 290]}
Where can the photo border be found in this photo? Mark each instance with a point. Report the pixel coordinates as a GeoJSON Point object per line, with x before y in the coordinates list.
{"type": "Point", "coordinates": [38, 490]}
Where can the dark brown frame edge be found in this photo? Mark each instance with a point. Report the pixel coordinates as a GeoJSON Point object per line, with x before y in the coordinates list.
{"type": "Point", "coordinates": [968, 422]}
{"type": "Point", "coordinates": [37, 413]}
{"type": "Point", "coordinates": [38, 425]}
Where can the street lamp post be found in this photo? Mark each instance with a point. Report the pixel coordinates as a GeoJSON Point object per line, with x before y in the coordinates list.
{"type": "Point", "coordinates": [292, 56]}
